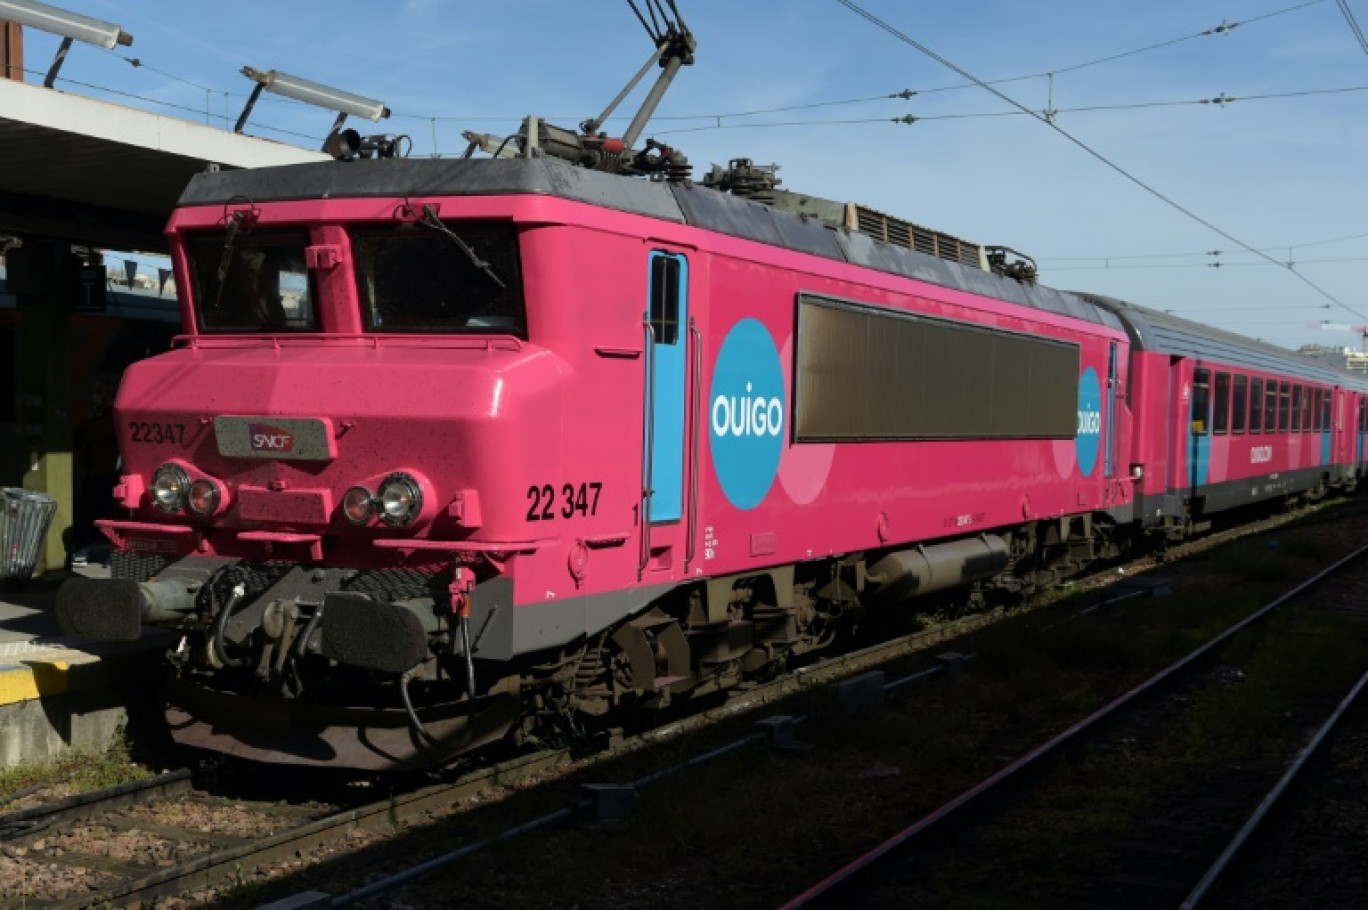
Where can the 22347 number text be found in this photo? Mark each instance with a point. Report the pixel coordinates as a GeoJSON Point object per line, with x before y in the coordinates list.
{"type": "Point", "coordinates": [544, 504]}
{"type": "Point", "coordinates": [157, 433]}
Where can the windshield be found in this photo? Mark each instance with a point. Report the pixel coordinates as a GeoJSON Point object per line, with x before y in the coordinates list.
{"type": "Point", "coordinates": [249, 281]}
{"type": "Point", "coordinates": [433, 276]}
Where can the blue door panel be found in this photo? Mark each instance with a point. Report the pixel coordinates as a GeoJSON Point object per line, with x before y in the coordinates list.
{"type": "Point", "coordinates": [668, 368]}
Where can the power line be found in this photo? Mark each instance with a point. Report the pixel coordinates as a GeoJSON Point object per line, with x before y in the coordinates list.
{"type": "Point", "coordinates": [1107, 267]}
{"type": "Point", "coordinates": [1353, 24]}
{"type": "Point", "coordinates": [1249, 309]}
{"type": "Point", "coordinates": [1223, 29]}
{"type": "Point", "coordinates": [170, 104]}
{"type": "Point", "coordinates": [1218, 101]}
{"type": "Point", "coordinates": [905, 94]}
{"type": "Point", "coordinates": [1208, 253]}
{"type": "Point", "coordinates": [1290, 246]}
{"type": "Point", "coordinates": [879, 23]}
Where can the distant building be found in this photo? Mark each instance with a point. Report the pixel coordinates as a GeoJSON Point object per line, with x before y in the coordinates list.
{"type": "Point", "coordinates": [1345, 358]}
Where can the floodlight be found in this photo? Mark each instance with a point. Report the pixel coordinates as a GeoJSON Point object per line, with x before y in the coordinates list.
{"type": "Point", "coordinates": [310, 93]}
{"type": "Point", "coordinates": [71, 26]}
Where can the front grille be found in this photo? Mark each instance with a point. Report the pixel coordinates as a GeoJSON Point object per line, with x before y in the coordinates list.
{"type": "Point", "coordinates": [137, 566]}
{"type": "Point", "coordinates": [394, 584]}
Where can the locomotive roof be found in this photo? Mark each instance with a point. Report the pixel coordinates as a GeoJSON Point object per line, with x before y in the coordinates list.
{"type": "Point", "coordinates": [1152, 330]}
{"type": "Point", "coordinates": [681, 203]}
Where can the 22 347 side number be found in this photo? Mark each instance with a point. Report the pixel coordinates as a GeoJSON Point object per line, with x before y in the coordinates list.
{"type": "Point", "coordinates": [157, 433]}
{"type": "Point", "coordinates": [544, 504]}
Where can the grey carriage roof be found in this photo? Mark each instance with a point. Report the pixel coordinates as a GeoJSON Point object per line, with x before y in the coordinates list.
{"type": "Point", "coordinates": [685, 204]}
{"type": "Point", "coordinates": [1152, 330]}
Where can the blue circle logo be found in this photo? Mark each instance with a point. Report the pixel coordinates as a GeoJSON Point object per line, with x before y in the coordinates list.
{"type": "Point", "coordinates": [1088, 441]}
{"type": "Point", "coordinates": [746, 409]}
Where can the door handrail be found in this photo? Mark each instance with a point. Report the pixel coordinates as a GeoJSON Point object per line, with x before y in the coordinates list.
{"type": "Point", "coordinates": [691, 531]}
{"type": "Point", "coordinates": [647, 477]}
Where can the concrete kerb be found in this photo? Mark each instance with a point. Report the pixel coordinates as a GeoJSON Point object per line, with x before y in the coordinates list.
{"type": "Point", "coordinates": [59, 695]}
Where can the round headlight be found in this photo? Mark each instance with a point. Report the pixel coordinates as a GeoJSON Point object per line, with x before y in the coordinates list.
{"type": "Point", "coordinates": [358, 504]}
{"type": "Point", "coordinates": [205, 497]}
{"type": "Point", "coordinates": [170, 488]}
{"type": "Point", "coordinates": [401, 499]}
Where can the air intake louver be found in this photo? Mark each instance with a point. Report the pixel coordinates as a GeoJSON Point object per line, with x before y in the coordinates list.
{"type": "Point", "coordinates": [905, 233]}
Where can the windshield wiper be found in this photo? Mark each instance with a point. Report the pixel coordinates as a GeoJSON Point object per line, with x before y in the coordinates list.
{"type": "Point", "coordinates": [236, 231]}
{"type": "Point", "coordinates": [430, 220]}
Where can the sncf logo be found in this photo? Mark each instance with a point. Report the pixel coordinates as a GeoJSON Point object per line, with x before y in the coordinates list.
{"type": "Point", "coordinates": [266, 438]}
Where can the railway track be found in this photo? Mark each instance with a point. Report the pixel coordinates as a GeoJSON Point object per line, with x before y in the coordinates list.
{"type": "Point", "coordinates": [1111, 812]}
{"type": "Point", "coordinates": [43, 865]}
{"type": "Point", "coordinates": [46, 848]}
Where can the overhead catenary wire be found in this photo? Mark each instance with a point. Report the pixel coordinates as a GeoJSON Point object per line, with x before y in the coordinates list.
{"type": "Point", "coordinates": [1289, 247]}
{"type": "Point", "coordinates": [1220, 100]}
{"type": "Point", "coordinates": [172, 105]}
{"type": "Point", "coordinates": [1223, 29]}
{"type": "Point", "coordinates": [1353, 24]}
{"type": "Point", "coordinates": [1107, 266]}
{"type": "Point", "coordinates": [1049, 122]}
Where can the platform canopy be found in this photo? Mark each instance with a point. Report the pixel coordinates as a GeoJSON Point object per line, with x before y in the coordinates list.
{"type": "Point", "coordinates": [97, 173]}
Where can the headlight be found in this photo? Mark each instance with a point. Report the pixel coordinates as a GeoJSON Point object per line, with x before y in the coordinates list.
{"type": "Point", "coordinates": [170, 488]}
{"type": "Point", "coordinates": [205, 497]}
{"type": "Point", "coordinates": [400, 499]}
{"type": "Point", "coordinates": [358, 504]}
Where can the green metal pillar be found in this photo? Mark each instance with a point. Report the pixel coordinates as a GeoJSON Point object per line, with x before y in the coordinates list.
{"type": "Point", "coordinates": [42, 276]}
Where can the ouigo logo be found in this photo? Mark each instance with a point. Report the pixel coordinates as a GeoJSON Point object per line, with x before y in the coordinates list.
{"type": "Point", "coordinates": [266, 438]}
{"type": "Point", "coordinates": [1088, 440]}
{"type": "Point", "coordinates": [746, 414]}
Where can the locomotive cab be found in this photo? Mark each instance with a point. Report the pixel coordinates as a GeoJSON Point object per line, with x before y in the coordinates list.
{"type": "Point", "coordinates": [318, 478]}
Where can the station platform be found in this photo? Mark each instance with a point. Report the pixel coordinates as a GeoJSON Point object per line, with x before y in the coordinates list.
{"type": "Point", "coordinates": [58, 694]}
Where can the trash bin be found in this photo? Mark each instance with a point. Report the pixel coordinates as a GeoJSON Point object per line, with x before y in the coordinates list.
{"type": "Point", "coordinates": [25, 516]}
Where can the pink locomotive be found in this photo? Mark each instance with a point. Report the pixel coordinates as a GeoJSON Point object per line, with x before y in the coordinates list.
{"type": "Point", "coordinates": [458, 450]}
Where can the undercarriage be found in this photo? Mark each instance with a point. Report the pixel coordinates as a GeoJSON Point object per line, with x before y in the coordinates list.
{"type": "Point", "coordinates": [382, 669]}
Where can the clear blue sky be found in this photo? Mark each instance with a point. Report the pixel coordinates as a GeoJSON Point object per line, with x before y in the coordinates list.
{"type": "Point", "coordinates": [1283, 175]}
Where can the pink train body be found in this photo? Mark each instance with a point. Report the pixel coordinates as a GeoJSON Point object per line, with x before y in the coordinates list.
{"type": "Point", "coordinates": [619, 442]}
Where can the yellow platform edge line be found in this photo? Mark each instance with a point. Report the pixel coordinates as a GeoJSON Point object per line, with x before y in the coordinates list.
{"type": "Point", "coordinates": [31, 680]}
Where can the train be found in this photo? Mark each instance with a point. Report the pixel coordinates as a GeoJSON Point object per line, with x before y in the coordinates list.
{"type": "Point", "coordinates": [457, 451]}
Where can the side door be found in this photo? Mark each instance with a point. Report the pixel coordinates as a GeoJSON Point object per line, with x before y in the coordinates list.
{"type": "Point", "coordinates": [1113, 381]}
{"type": "Point", "coordinates": [1199, 431]}
{"type": "Point", "coordinates": [668, 347]}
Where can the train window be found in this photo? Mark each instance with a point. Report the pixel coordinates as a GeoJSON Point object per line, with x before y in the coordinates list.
{"type": "Point", "coordinates": [1311, 419]}
{"type": "Point", "coordinates": [251, 281]}
{"type": "Point", "coordinates": [1284, 405]}
{"type": "Point", "coordinates": [1295, 423]}
{"type": "Point", "coordinates": [1220, 413]}
{"type": "Point", "coordinates": [1271, 407]}
{"type": "Point", "coordinates": [435, 277]}
{"type": "Point", "coordinates": [1201, 400]}
{"type": "Point", "coordinates": [1256, 391]}
{"type": "Point", "coordinates": [665, 286]}
{"type": "Point", "coordinates": [1327, 406]}
{"type": "Point", "coordinates": [854, 379]}
{"type": "Point", "coordinates": [1239, 409]}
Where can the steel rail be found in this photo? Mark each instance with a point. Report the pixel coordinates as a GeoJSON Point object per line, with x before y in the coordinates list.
{"type": "Point", "coordinates": [829, 885]}
{"type": "Point", "coordinates": [23, 822]}
{"type": "Point", "coordinates": [567, 814]}
{"type": "Point", "coordinates": [212, 869]}
{"type": "Point", "coordinates": [1241, 839]}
